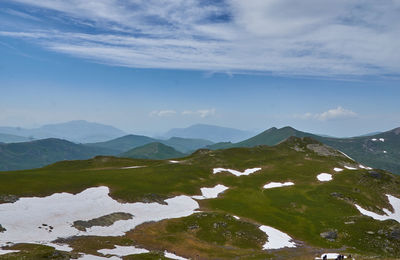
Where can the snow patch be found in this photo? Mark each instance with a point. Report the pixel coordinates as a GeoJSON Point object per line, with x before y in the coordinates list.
{"type": "Point", "coordinates": [337, 169]}
{"type": "Point", "coordinates": [350, 168]}
{"type": "Point", "coordinates": [324, 177]}
{"type": "Point", "coordinates": [123, 251]}
{"type": "Point", "coordinates": [374, 139]}
{"type": "Point", "coordinates": [211, 193]}
{"type": "Point", "coordinates": [277, 184]}
{"type": "Point", "coordinates": [42, 220]}
{"type": "Point", "coordinates": [94, 257]}
{"type": "Point", "coordinates": [172, 161]}
{"type": "Point", "coordinates": [237, 173]}
{"type": "Point", "coordinates": [236, 217]}
{"type": "Point", "coordinates": [364, 167]}
{"type": "Point", "coordinates": [173, 256]}
{"type": "Point", "coordinates": [382, 139]}
{"type": "Point", "coordinates": [384, 151]}
{"type": "Point", "coordinates": [276, 239]}
{"type": "Point", "coordinates": [132, 167]}
{"type": "Point", "coordinates": [346, 155]}
{"type": "Point", "coordinates": [329, 256]}
{"type": "Point", "coordinates": [395, 215]}
{"type": "Point", "coordinates": [5, 251]}
{"type": "Point", "coordinates": [60, 247]}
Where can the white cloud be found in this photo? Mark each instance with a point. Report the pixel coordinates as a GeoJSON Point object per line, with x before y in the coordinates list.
{"type": "Point", "coordinates": [163, 113]}
{"type": "Point", "coordinates": [202, 112]}
{"type": "Point", "coordinates": [309, 37]}
{"type": "Point", "coordinates": [331, 114]}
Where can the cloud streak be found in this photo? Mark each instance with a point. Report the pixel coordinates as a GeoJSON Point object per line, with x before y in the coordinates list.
{"type": "Point", "coordinates": [331, 114]}
{"type": "Point", "coordinates": [310, 37]}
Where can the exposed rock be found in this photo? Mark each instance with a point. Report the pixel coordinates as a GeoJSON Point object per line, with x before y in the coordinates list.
{"type": "Point", "coordinates": [2, 229]}
{"type": "Point", "coordinates": [329, 235]}
{"type": "Point", "coordinates": [349, 222]}
{"type": "Point", "coordinates": [395, 234]}
{"type": "Point", "coordinates": [375, 174]}
{"type": "Point", "coordinates": [323, 150]}
{"type": "Point", "coordinates": [153, 197]}
{"type": "Point", "coordinates": [104, 221]}
{"type": "Point", "coordinates": [337, 194]}
{"type": "Point", "coordinates": [8, 198]}
{"type": "Point", "coordinates": [370, 232]}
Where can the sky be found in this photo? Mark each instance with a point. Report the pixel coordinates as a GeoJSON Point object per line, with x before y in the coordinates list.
{"type": "Point", "coordinates": [145, 66]}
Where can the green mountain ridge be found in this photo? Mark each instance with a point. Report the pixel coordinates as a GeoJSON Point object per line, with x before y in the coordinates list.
{"type": "Point", "coordinates": [38, 153]}
{"type": "Point", "coordinates": [156, 151]}
{"type": "Point", "coordinates": [377, 154]}
{"type": "Point", "coordinates": [128, 142]}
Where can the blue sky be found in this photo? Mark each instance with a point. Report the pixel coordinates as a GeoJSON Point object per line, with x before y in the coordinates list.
{"type": "Point", "coordinates": [147, 66]}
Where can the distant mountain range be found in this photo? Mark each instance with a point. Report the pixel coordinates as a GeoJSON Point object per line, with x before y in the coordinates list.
{"type": "Point", "coordinates": [156, 151]}
{"type": "Point", "coordinates": [209, 132]}
{"type": "Point", "coordinates": [78, 131]}
{"type": "Point", "coordinates": [381, 150]}
{"type": "Point", "coordinates": [8, 138]}
{"type": "Point", "coordinates": [125, 143]}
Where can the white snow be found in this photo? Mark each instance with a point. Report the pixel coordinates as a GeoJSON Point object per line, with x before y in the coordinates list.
{"type": "Point", "coordinates": [211, 193]}
{"type": "Point", "coordinates": [132, 167]}
{"type": "Point", "coordinates": [382, 139]}
{"type": "Point", "coordinates": [172, 161]}
{"type": "Point", "coordinates": [346, 155]}
{"type": "Point", "coordinates": [395, 202]}
{"type": "Point", "coordinates": [237, 173]}
{"type": "Point", "coordinates": [384, 151]}
{"type": "Point", "coordinates": [24, 219]}
{"type": "Point", "coordinates": [324, 177]}
{"type": "Point", "coordinates": [173, 256]}
{"type": "Point", "coordinates": [364, 167]}
{"type": "Point", "coordinates": [236, 217]}
{"type": "Point", "coordinates": [60, 247]}
{"type": "Point", "coordinates": [337, 169]}
{"type": "Point", "coordinates": [277, 184]}
{"type": "Point", "coordinates": [94, 257]}
{"type": "Point", "coordinates": [5, 251]}
{"type": "Point", "coordinates": [374, 139]}
{"type": "Point", "coordinates": [123, 251]}
{"type": "Point", "coordinates": [276, 239]}
{"type": "Point", "coordinates": [350, 168]}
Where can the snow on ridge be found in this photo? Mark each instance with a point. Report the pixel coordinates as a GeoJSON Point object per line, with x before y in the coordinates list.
{"type": "Point", "coordinates": [173, 256]}
{"type": "Point", "coordinates": [132, 167]}
{"type": "Point", "coordinates": [173, 161]}
{"type": "Point", "coordinates": [277, 184]}
{"type": "Point", "coordinates": [211, 193]}
{"type": "Point", "coordinates": [395, 215]}
{"type": "Point", "coordinates": [324, 177]}
{"type": "Point", "coordinates": [276, 238]}
{"type": "Point", "coordinates": [350, 168]}
{"type": "Point", "coordinates": [123, 251]}
{"type": "Point", "coordinates": [235, 172]}
{"type": "Point", "coordinates": [364, 167]}
{"type": "Point", "coordinates": [336, 169]}
{"type": "Point", "coordinates": [6, 251]}
{"type": "Point", "coordinates": [24, 219]}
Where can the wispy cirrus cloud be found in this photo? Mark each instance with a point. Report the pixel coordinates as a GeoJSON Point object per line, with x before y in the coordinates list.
{"type": "Point", "coordinates": [331, 114]}
{"type": "Point", "coordinates": [309, 37]}
{"type": "Point", "coordinates": [162, 113]}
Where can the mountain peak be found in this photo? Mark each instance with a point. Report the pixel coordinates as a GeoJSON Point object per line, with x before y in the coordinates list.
{"type": "Point", "coordinates": [396, 131]}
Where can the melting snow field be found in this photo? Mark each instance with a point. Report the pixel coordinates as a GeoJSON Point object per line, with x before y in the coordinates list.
{"type": "Point", "coordinates": [3, 251]}
{"type": "Point", "coordinates": [350, 168]}
{"type": "Point", "coordinates": [211, 193]}
{"type": "Point", "coordinates": [173, 256]}
{"type": "Point", "coordinates": [276, 239]}
{"type": "Point", "coordinates": [337, 169]}
{"type": "Point", "coordinates": [123, 251]}
{"type": "Point", "coordinates": [132, 167]}
{"type": "Point", "coordinates": [236, 173]}
{"type": "Point", "coordinates": [395, 202]}
{"type": "Point", "coordinates": [277, 184]}
{"type": "Point", "coordinates": [364, 167]}
{"type": "Point", "coordinates": [42, 220]}
{"type": "Point", "coordinates": [324, 177]}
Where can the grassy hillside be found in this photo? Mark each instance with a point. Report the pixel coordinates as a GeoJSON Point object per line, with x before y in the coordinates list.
{"type": "Point", "coordinates": [153, 151]}
{"type": "Point", "coordinates": [383, 155]}
{"type": "Point", "coordinates": [304, 210]}
{"type": "Point", "coordinates": [34, 154]}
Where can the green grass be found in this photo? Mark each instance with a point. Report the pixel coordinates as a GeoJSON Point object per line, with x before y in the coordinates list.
{"type": "Point", "coordinates": [303, 210]}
